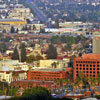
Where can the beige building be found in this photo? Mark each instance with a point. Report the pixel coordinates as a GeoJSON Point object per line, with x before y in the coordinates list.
{"type": "Point", "coordinates": [19, 75]}
{"type": "Point", "coordinates": [96, 44]}
{"type": "Point", "coordinates": [5, 76]}
{"type": "Point", "coordinates": [52, 63]}
{"type": "Point", "coordinates": [6, 24]}
{"type": "Point", "coordinates": [20, 12]}
{"type": "Point", "coordinates": [37, 51]}
{"type": "Point", "coordinates": [13, 65]}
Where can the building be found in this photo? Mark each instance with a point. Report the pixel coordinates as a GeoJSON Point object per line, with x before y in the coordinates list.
{"type": "Point", "coordinates": [19, 75]}
{"type": "Point", "coordinates": [96, 44]}
{"type": "Point", "coordinates": [13, 21]}
{"type": "Point", "coordinates": [54, 63]}
{"type": "Point", "coordinates": [46, 75]}
{"type": "Point", "coordinates": [6, 24]}
{"type": "Point", "coordinates": [89, 64]}
{"type": "Point", "coordinates": [5, 64]}
{"type": "Point", "coordinates": [6, 76]}
{"type": "Point", "coordinates": [20, 12]}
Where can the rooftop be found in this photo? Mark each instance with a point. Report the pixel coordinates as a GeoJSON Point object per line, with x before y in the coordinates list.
{"type": "Point", "coordinates": [9, 20]}
{"type": "Point", "coordinates": [49, 69]}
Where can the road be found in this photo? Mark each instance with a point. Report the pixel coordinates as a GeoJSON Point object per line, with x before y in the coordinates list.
{"type": "Point", "coordinates": [39, 14]}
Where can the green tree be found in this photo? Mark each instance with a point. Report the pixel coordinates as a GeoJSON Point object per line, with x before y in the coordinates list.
{"type": "Point", "coordinates": [17, 30]}
{"type": "Point", "coordinates": [4, 31]}
{"type": "Point", "coordinates": [30, 59]}
{"type": "Point", "coordinates": [36, 93]}
{"type": "Point", "coordinates": [55, 39]}
{"type": "Point", "coordinates": [12, 29]}
{"type": "Point", "coordinates": [38, 57]}
{"type": "Point", "coordinates": [15, 55]}
{"type": "Point", "coordinates": [51, 52]}
{"type": "Point", "coordinates": [34, 27]}
{"type": "Point", "coordinates": [3, 47]}
{"type": "Point", "coordinates": [23, 53]}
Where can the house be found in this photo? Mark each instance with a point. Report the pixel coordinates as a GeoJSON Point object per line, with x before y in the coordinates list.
{"type": "Point", "coordinates": [6, 76]}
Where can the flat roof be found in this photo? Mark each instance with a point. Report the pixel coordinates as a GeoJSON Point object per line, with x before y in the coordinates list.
{"type": "Point", "coordinates": [50, 69]}
{"type": "Point", "coordinates": [9, 20]}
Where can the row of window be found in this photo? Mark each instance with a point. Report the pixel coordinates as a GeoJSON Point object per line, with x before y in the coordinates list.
{"type": "Point", "coordinates": [47, 75]}
{"type": "Point", "coordinates": [87, 65]}
{"type": "Point", "coordinates": [87, 68]}
{"type": "Point", "coordinates": [38, 78]}
{"type": "Point", "coordinates": [87, 61]}
{"type": "Point", "coordinates": [87, 75]}
{"type": "Point", "coordinates": [89, 72]}
{"type": "Point", "coordinates": [43, 73]}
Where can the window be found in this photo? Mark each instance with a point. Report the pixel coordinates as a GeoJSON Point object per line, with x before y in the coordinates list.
{"type": "Point", "coordinates": [97, 65]}
{"type": "Point", "coordinates": [76, 64]}
{"type": "Point", "coordinates": [90, 71]}
{"type": "Point", "coordinates": [90, 68]}
{"type": "Point", "coordinates": [97, 68]}
{"type": "Point", "coordinates": [90, 65]}
{"type": "Point", "coordinates": [83, 71]}
{"type": "Point", "coordinates": [83, 68]}
{"type": "Point", "coordinates": [94, 72]}
{"type": "Point", "coordinates": [87, 65]}
{"type": "Point", "coordinates": [87, 68]}
{"type": "Point", "coordinates": [83, 65]}
{"type": "Point", "coordinates": [93, 75]}
{"type": "Point", "coordinates": [93, 68]}
{"type": "Point", "coordinates": [93, 65]}
{"type": "Point", "coordinates": [98, 72]}
{"type": "Point", "coordinates": [97, 61]}
{"type": "Point", "coordinates": [80, 64]}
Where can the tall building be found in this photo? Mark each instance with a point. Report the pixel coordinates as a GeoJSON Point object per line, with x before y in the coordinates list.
{"type": "Point", "coordinates": [96, 44]}
{"type": "Point", "coordinates": [89, 64]}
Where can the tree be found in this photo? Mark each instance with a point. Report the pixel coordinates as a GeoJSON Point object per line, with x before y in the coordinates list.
{"type": "Point", "coordinates": [15, 55]}
{"type": "Point", "coordinates": [38, 57]}
{"type": "Point", "coordinates": [3, 47]}
{"type": "Point", "coordinates": [12, 29]}
{"type": "Point", "coordinates": [30, 59]}
{"type": "Point", "coordinates": [0, 36]}
{"type": "Point", "coordinates": [51, 52]}
{"type": "Point", "coordinates": [17, 30]}
{"type": "Point", "coordinates": [36, 93]}
{"type": "Point", "coordinates": [4, 31]}
{"type": "Point", "coordinates": [34, 27]}
{"type": "Point", "coordinates": [97, 96]}
{"type": "Point", "coordinates": [25, 28]}
{"type": "Point", "coordinates": [23, 53]}
{"type": "Point", "coordinates": [42, 30]}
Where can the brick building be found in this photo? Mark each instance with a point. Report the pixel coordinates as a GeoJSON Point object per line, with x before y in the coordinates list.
{"type": "Point", "coordinates": [46, 75]}
{"type": "Point", "coordinates": [89, 64]}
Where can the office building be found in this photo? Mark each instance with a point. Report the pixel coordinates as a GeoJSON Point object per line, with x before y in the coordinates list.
{"type": "Point", "coordinates": [89, 64]}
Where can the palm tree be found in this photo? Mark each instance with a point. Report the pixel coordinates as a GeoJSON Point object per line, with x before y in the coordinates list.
{"type": "Point", "coordinates": [11, 87]}
{"type": "Point", "coordinates": [57, 82]}
{"type": "Point", "coordinates": [3, 83]}
{"type": "Point", "coordinates": [30, 84]}
{"type": "Point", "coordinates": [5, 91]}
{"type": "Point", "coordinates": [54, 65]}
{"type": "Point", "coordinates": [15, 76]}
